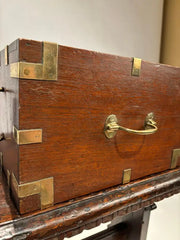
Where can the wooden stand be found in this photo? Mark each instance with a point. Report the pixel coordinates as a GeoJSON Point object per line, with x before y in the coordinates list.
{"type": "Point", "coordinates": [132, 226]}
{"type": "Point", "coordinates": [126, 206]}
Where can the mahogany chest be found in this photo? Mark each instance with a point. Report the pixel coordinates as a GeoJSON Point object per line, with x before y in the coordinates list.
{"type": "Point", "coordinates": [73, 122]}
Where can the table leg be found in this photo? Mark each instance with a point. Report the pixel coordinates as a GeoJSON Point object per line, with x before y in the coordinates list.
{"type": "Point", "coordinates": [133, 226]}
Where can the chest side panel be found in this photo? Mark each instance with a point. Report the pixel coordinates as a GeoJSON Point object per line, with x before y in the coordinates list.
{"type": "Point", "coordinates": [72, 112]}
{"type": "Point", "coordinates": [9, 109]}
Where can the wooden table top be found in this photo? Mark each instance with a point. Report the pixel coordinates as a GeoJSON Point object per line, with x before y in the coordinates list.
{"type": "Point", "coordinates": [72, 217]}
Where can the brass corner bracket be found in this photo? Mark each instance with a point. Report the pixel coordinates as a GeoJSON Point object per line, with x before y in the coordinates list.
{"type": "Point", "coordinates": [27, 136]}
{"type": "Point", "coordinates": [6, 55]}
{"type": "Point", "coordinates": [174, 159]}
{"type": "Point", "coordinates": [43, 187]}
{"type": "Point", "coordinates": [126, 176]}
{"type": "Point", "coordinates": [47, 70]}
{"type": "Point", "coordinates": [136, 67]}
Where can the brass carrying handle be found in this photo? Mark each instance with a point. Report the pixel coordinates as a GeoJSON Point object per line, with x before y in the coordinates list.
{"type": "Point", "coordinates": [111, 126]}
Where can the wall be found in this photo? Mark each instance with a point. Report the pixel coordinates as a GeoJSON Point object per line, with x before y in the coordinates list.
{"type": "Point", "coordinates": [122, 27]}
{"type": "Point", "coordinates": [171, 33]}
{"type": "Point", "coordinates": [165, 220]}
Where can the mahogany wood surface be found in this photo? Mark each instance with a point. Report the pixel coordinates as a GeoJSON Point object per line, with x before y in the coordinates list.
{"type": "Point", "coordinates": [132, 226]}
{"type": "Point", "coordinates": [8, 211]}
{"type": "Point", "coordinates": [72, 112]}
{"type": "Point", "coordinates": [9, 110]}
{"type": "Point", "coordinates": [72, 217]}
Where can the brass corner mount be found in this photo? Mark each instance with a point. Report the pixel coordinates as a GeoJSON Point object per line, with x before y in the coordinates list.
{"type": "Point", "coordinates": [175, 157]}
{"type": "Point", "coordinates": [28, 136]}
{"type": "Point", "coordinates": [47, 70]}
{"type": "Point", "coordinates": [136, 67]}
{"type": "Point", "coordinates": [43, 187]}
{"type": "Point", "coordinates": [126, 176]}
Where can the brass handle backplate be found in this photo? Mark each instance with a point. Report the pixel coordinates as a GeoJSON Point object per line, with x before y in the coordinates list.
{"type": "Point", "coordinates": [111, 126]}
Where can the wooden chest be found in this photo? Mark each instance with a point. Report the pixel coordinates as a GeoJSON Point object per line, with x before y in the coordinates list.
{"type": "Point", "coordinates": [73, 121]}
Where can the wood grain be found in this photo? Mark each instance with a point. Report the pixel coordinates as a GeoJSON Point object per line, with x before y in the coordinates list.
{"type": "Point", "coordinates": [71, 218]}
{"type": "Point", "coordinates": [72, 113]}
{"type": "Point", "coordinates": [9, 110]}
{"type": "Point", "coordinates": [7, 210]}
